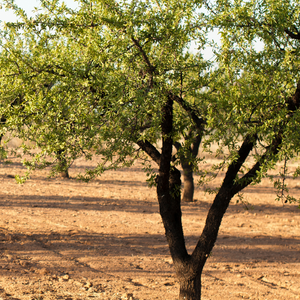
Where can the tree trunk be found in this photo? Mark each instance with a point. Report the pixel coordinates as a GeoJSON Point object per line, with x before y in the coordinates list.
{"type": "Point", "coordinates": [2, 150]}
{"type": "Point", "coordinates": [62, 165]}
{"type": "Point", "coordinates": [187, 163]}
{"type": "Point", "coordinates": [2, 121]}
{"type": "Point", "coordinates": [64, 174]}
{"type": "Point", "coordinates": [190, 287]}
{"type": "Point", "coordinates": [188, 187]}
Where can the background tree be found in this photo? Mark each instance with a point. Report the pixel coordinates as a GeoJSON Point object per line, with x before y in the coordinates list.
{"type": "Point", "coordinates": [125, 66]}
{"type": "Point", "coordinates": [62, 164]}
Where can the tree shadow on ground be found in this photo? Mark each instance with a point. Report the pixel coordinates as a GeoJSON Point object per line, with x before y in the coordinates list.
{"type": "Point", "coordinates": [79, 203]}
{"type": "Point", "coordinates": [87, 249]}
{"type": "Point", "coordinates": [84, 203]}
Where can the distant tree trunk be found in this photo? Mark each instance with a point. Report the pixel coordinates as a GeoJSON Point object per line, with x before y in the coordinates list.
{"type": "Point", "coordinates": [188, 186]}
{"type": "Point", "coordinates": [2, 151]}
{"type": "Point", "coordinates": [187, 163]}
{"type": "Point", "coordinates": [2, 121]}
{"type": "Point", "coordinates": [63, 167]}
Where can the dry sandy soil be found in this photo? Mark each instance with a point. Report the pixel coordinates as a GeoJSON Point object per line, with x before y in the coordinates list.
{"type": "Point", "coordinates": [66, 239]}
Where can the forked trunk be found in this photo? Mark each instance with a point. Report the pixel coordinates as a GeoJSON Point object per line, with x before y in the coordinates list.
{"type": "Point", "coordinates": [190, 287]}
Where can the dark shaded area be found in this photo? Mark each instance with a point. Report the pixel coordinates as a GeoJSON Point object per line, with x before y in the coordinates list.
{"type": "Point", "coordinates": [78, 203]}
{"type": "Point", "coordinates": [128, 205]}
{"type": "Point", "coordinates": [74, 246]}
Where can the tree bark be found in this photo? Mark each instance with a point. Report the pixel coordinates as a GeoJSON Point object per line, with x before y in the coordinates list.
{"type": "Point", "coordinates": [190, 287]}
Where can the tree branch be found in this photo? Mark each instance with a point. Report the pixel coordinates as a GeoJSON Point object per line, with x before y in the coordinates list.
{"type": "Point", "coordinates": [151, 69]}
{"type": "Point", "coordinates": [294, 101]}
{"type": "Point", "coordinates": [192, 113]}
{"type": "Point", "coordinates": [252, 174]}
{"type": "Point", "coordinates": [292, 35]}
{"type": "Point", "coordinates": [150, 150]}
{"type": "Point", "coordinates": [235, 166]}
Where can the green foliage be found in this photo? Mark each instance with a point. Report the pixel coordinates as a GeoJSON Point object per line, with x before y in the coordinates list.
{"type": "Point", "coordinates": [260, 59]}
{"type": "Point", "coordinates": [93, 81]}
{"type": "Point", "coordinates": [150, 173]}
{"type": "Point", "coordinates": [3, 154]}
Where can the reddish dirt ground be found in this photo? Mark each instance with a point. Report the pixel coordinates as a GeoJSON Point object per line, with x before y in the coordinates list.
{"type": "Point", "coordinates": [66, 239]}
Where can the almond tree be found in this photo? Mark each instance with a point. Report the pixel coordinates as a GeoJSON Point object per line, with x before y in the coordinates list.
{"type": "Point", "coordinates": [125, 75]}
